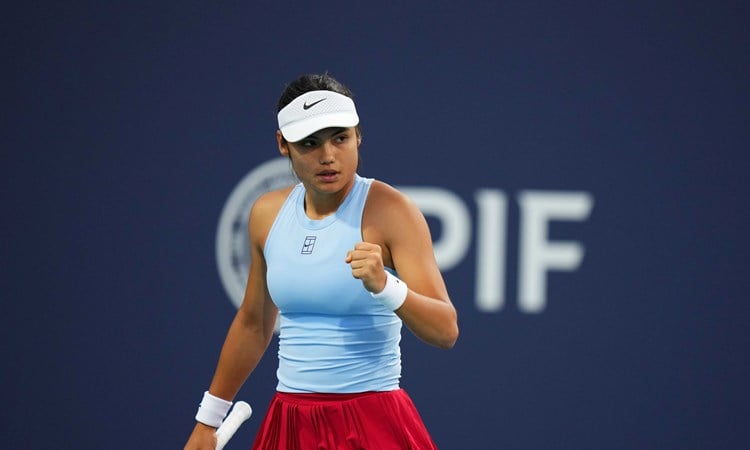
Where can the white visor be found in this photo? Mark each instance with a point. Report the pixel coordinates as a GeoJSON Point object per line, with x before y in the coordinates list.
{"type": "Point", "coordinates": [315, 110]}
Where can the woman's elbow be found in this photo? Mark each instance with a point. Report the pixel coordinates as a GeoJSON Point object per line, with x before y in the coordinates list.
{"type": "Point", "coordinates": [449, 338]}
{"type": "Point", "coordinates": [449, 335]}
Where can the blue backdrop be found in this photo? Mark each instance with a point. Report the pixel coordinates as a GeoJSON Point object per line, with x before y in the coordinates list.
{"type": "Point", "coordinates": [127, 127]}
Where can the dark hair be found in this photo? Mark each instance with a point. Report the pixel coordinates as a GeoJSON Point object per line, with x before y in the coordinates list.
{"type": "Point", "coordinates": [311, 82]}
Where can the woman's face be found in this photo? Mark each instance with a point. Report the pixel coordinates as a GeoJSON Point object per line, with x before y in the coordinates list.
{"type": "Point", "coordinates": [325, 161]}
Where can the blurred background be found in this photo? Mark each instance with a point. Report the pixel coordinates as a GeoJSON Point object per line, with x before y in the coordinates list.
{"type": "Point", "coordinates": [618, 129]}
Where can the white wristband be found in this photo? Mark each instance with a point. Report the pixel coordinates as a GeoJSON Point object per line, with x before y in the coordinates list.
{"type": "Point", "coordinates": [212, 410]}
{"type": "Point", "coordinates": [393, 294]}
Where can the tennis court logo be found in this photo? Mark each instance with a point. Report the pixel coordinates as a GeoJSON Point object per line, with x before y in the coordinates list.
{"type": "Point", "coordinates": [232, 243]}
{"type": "Point", "coordinates": [308, 245]}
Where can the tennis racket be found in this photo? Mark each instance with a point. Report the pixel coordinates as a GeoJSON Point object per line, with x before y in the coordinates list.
{"type": "Point", "coordinates": [240, 413]}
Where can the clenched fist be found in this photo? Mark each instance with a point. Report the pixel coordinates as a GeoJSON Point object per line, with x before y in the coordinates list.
{"type": "Point", "coordinates": [366, 261]}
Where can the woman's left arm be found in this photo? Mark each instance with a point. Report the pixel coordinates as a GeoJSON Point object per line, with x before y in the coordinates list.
{"type": "Point", "coordinates": [401, 227]}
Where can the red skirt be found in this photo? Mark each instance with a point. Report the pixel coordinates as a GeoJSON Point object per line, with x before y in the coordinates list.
{"type": "Point", "coordinates": [367, 421]}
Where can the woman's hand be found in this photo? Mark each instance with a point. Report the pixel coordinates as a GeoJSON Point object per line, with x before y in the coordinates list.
{"type": "Point", "coordinates": [202, 438]}
{"type": "Point", "coordinates": [366, 261]}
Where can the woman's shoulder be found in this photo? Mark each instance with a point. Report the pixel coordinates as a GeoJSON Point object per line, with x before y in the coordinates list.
{"type": "Point", "coordinates": [394, 221]}
{"type": "Point", "coordinates": [383, 196]}
{"type": "Point", "coordinates": [272, 199]}
{"type": "Point", "coordinates": [388, 207]}
{"type": "Point", "coordinates": [267, 207]}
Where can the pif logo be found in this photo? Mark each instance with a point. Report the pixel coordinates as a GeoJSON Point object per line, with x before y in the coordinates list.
{"type": "Point", "coordinates": [538, 254]}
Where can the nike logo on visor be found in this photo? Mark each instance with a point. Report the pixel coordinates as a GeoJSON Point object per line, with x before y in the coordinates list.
{"type": "Point", "coordinates": [306, 106]}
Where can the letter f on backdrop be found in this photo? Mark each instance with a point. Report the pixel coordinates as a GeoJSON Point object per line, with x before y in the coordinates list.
{"type": "Point", "coordinates": [538, 255]}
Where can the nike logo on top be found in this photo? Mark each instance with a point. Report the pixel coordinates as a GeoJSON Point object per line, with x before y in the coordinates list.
{"type": "Point", "coordinates": [306, 106]}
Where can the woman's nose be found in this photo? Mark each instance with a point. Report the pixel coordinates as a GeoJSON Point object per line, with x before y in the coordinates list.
{"type": "Point", "coordinates": [327, 153]}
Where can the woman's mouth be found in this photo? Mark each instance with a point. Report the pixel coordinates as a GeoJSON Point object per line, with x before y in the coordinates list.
{"type": "Point", "coordinates": [328, 175]}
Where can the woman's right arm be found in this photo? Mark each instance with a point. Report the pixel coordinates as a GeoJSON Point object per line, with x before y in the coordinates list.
{"type": "Point", "coordinates": [252, 328]}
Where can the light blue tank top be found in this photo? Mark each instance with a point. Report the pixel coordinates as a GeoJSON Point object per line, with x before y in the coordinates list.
{"type": "Point", "coordinates": [334, 337]}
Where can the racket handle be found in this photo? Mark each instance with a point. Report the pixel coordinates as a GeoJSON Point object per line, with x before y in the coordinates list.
{"type": "Point", "coordinates": [239, 414]}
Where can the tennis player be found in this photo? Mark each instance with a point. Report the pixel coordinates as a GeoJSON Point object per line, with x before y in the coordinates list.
{"type": "Point", "coordinates": [345, 260]}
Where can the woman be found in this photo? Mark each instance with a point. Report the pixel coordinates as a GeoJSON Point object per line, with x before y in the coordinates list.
{"type": "Point", "coordinates": [325, 254]}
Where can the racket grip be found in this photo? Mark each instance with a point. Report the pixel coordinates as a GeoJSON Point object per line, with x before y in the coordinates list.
{"type": "Point", "coordinates": [239, 414]}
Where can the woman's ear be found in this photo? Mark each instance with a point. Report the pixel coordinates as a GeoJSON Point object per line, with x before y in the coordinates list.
{"type": "Point", "coordinates": [282, 143]}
